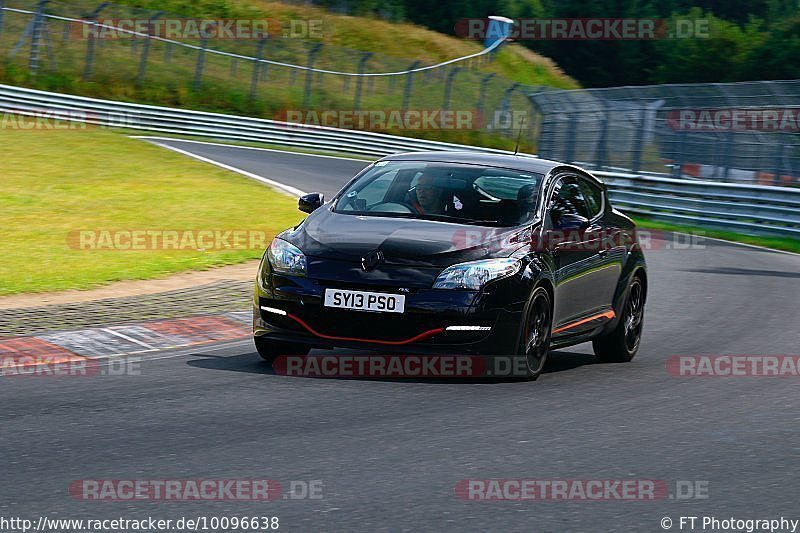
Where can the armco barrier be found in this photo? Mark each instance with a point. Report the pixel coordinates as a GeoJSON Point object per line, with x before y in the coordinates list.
{"type": "Point", "coordinates": [742, 208]}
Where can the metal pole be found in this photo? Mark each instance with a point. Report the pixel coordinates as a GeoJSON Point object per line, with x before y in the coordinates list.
{"type": "Point", "coordinates": [409, 86]}
{"type": "Point", "coordinates": [601, 155]}
{"type": "Point", "coordinates": [312, 55]}
{"type": "Point", "coordinates": [36, 34]}
{"type": "Point", "coordinates": [779, 157]}
{"type": "Point", "coordinates": [482, 94]}
{"type": "Point", "coordinates": [361, 67]}
{"type": "Point", "coordinates": [448, 86]}
{"type": "Point", "coordinates": [638, 142]}
{"type": "Point", "coordinates": [146, 50]}
{"type": "Point", "coordinates": [257, 67]}
{"type": "Point", "coordinates": [87, 71]}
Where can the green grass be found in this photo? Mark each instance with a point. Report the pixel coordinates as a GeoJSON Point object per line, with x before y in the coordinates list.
{"type": "Point", "coordinates": [788, 244]}
{"type": "Point", "coordinates": [56, 182]}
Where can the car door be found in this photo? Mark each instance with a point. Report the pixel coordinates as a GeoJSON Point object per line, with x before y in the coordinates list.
{"type": "Point", "coordinates": [607, 242]}
{"type": "Point", "coordinates": [579, 291]}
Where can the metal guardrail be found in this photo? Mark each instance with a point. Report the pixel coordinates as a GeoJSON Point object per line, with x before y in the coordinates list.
{"type": "Point", "coordinates": [753, 209]}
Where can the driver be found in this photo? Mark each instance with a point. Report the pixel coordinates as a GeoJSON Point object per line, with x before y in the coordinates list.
{"type": "Point", "coordinates": [427, 198]}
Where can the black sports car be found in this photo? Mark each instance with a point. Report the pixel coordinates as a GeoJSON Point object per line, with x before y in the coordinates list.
{"type": "Point", "coordinates": [457, 253]}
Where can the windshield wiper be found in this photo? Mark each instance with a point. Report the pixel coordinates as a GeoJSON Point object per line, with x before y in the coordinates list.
{"type": "Point", "coordinates": [459, 220]}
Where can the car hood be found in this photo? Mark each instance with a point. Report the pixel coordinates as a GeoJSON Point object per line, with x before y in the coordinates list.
{"type": "Point", "coordinates": [421, 243]}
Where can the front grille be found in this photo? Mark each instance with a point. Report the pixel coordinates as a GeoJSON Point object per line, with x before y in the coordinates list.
{"type": "Point", "coordinates": [366, 325]}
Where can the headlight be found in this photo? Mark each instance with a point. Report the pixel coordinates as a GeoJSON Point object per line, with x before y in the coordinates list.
{"type": "Point", "coordinates": [475, 274]}
{"type": "Point", "coordinates": [286, 258]}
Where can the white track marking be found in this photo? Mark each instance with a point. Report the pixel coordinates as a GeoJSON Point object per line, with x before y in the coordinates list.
{"type": "Point", "coordinates": [288, 189]}
{"type": "Point", "coordinates": [129, 339]}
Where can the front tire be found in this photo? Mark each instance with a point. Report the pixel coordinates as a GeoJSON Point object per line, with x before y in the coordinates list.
{"type": "Point", "coordinates": [621, 344]}
{"type": "Point", "coordinates": [269, 350]}
{"type": "Point", "coordinates": [535, 342]}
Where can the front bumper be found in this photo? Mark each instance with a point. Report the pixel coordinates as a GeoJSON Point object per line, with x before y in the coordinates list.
{"type": "Point", "coordinates": [293, 311]}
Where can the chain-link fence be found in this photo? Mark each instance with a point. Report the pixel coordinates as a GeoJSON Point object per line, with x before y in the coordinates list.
{"type": "Point", "coordinates": [742, 132]}
{"type": "Point", "coordinates": [739, 132]}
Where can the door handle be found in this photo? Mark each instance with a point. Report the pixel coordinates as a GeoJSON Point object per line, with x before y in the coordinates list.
{"type": "Point", "coordinates": [602, 252]}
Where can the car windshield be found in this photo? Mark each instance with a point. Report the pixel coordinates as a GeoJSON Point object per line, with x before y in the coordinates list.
{"type": "Point", "coordinates": [467, 194]}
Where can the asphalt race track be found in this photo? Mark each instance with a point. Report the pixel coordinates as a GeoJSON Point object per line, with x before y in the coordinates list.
{"type": "Point", "coordinates": [389, 453]}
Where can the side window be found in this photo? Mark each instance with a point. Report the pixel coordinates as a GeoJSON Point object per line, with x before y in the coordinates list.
{"type": "Point", "coordinates": [594, 197]}
{"type": "Point", "coordinates": [568, 199]}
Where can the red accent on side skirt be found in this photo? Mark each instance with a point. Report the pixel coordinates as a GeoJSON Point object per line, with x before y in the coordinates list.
{"type": "Point", "coordinates": [608, 314]}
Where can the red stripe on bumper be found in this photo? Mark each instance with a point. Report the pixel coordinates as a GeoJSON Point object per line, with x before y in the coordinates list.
{"type": "Point", "coordinates": [423, 335]}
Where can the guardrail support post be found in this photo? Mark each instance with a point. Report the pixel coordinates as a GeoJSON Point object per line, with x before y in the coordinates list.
{"type": "Point", "coordinates": [146, 50]}
{"type": "Point", "coordinates": [87, 70]}
{"type": "Point", "coordinates": [312, 55]}
{"type": "Point", "coordinates": [448, 87]}
{"type": "Point", "coordinates": [362, 63]}
{"type": "Point", "coordinates": [409, 86]}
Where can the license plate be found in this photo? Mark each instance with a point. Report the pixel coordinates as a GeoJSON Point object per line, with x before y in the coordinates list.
{"type": "Point", "coordinates": [365, 301]}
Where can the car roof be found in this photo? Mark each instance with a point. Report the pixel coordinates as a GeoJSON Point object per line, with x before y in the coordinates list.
{"type": "Point", "coordinates": [517, 162]}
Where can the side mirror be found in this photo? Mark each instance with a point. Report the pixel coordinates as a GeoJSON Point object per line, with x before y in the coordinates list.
{"type": "Point", "coordinates": [310, 202]}
{"type": "Point", "coordinates": [571, 222]}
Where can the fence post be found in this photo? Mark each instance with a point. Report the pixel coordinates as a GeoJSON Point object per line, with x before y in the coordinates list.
{"type": "Point", "coordinates": [362, 63]}
{"type": "Point", "coordinates": [201, 59]}
{"type": "Point", "coordinates": [409, 86]}
{"type": "Point", "coordinates": [601, 154]}
{"type": "Point", "coordinates": [448, 86]}
{"type": "Point", "coordinates": [257, 67]}
{"type": "Point", "coordinates": [505, 107]}
{"type": "Point", "coordinates": [146, 49]}
{"type": "Point", "coordinates": [36, 36]}
{"type": "Point", "coordinates": [312, 55]}
{"type": "Point", "coordinates": [779, 157]}
{"type": "Point", "coordinates": [482, 93]}
{"type": "Point", "coordinates": [87, 71]}
{"type": "Point", "coordinates": [638, 141]}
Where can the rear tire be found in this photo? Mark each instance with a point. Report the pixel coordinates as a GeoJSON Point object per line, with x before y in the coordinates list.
{"type": "Point", "coordinates": [621, 344]}
{"type": "Point", "coordinates": [269, 350]}
{"type": "Point", "coordinates": [536, 331]}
